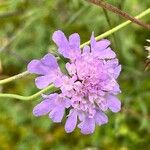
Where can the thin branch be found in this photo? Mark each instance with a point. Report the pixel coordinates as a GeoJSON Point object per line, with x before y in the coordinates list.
{"type": "Point", "coordinates": [18, 76]}
{"type": "Point", "coordinates": [119, 12]}
{"type": "Point", "coordinates": [113, 30]}
{"type": "Point", "coordinates": [27, 98]}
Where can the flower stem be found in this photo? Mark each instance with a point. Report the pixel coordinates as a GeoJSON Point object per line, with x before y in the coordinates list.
{"type": "Point", "coordinates": [113, 30]}
{"type": "Point", "coordinates": [27, 98]}
{"type": "Point", "coordinates": [14, 77]}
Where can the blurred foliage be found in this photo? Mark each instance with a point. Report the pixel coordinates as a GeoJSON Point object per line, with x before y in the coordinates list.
{"type": "Point", "coordinates": [26, 27]}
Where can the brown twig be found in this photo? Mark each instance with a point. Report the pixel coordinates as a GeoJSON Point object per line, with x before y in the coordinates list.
{"type": "Point", "coordinates": [121, 13]}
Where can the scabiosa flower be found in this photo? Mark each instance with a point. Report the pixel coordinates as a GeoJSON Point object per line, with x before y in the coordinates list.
{"type": "Point", "coordinates": [88, 90]}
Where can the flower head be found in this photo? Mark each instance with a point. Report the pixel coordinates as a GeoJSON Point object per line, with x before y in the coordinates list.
{"type": "Point", "coordinates": [88, 90]}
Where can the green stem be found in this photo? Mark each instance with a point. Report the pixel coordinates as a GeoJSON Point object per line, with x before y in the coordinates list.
{"type": "Point", "coordinates": [113, 30]}
{"type": "Point", "coordinates": [27, 98]}
{"type": "Point", "coordinates": [14, 77]}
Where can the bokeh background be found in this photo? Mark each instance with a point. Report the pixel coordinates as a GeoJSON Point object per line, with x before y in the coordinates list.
{"type": "Point", "coordinates": [26, 27]}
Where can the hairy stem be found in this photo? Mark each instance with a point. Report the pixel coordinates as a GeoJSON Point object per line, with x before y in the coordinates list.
{"type": "Point", "coordinates": [113, 30]}
{"type": "Point", "coordinates": [121, 13]}
{"type": "Point", "coordinates": [14, 77]}
{"type": "Point", "coordinates": [27, 98]}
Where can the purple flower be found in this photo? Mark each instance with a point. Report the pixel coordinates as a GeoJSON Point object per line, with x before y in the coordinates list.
{"type": "Point", "coordinates": [48, 70]}
{"type": "Point", "coordinates": [89, 89]}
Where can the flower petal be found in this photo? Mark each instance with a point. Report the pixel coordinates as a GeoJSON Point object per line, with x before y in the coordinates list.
{"type": "Point", "coordinates": [58, 81]}
{"type": "Point", "coordinates": [71, 68]}
{"type": "Point", "coordinates": [43, 81]}
{"type": "Point", "coordinates": [50, 61]}
{"type": "Point", "coordinates": [112, 63]}
{"type": "Point", "coordinates": [63, 45]}
{"type": "Point", "coordinates": [71, 121]}
{"type": "Point", "coordinates": [87, 126]}
{"type": "Point", "coordinates": [92, 41]}
{"type": "Point", "coordinates": [117, 71]}
{"type": "Point", "coordinates": [66, 102]}
{"type": "Point", "coordinates": [113, 103]}
{"type": "Point", "coordinates": [35, 66]}
{"type": "Point", "coordinates": [98, 45]}
{"type": "Point", "coordinates": [116, 89]}
{"type": "Point", "coordinates": [100, 118]}
{"type": "Point", "coordinates": [104, 54]}
{"type": "Point", "coordinates": [74, 42]}
{"type": "Point", "coordinates": [86, 49]}
{"type": "Point", "coordinates": [53, 97]}
{"type": "Point", "coordinates": [43, 108]}
{"type": "Point", "coordinates": [102, 44]}
{"type": "Point", "coordinates": [44, 66]}
{"type": "Point", "coordinates": [103, 105]}
{"type": "Point", "coordinates": [57, 114]}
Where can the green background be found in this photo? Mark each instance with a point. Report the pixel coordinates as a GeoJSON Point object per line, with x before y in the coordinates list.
{"type": "Point", "coordinates": [26, 27]}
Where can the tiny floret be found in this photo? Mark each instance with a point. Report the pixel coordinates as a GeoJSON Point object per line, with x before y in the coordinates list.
{"type": "Point", "coordinates": [89, 88]}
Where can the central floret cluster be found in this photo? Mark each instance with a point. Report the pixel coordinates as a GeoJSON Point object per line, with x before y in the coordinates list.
{"type": "Point", "coordinates": [87, 90]}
